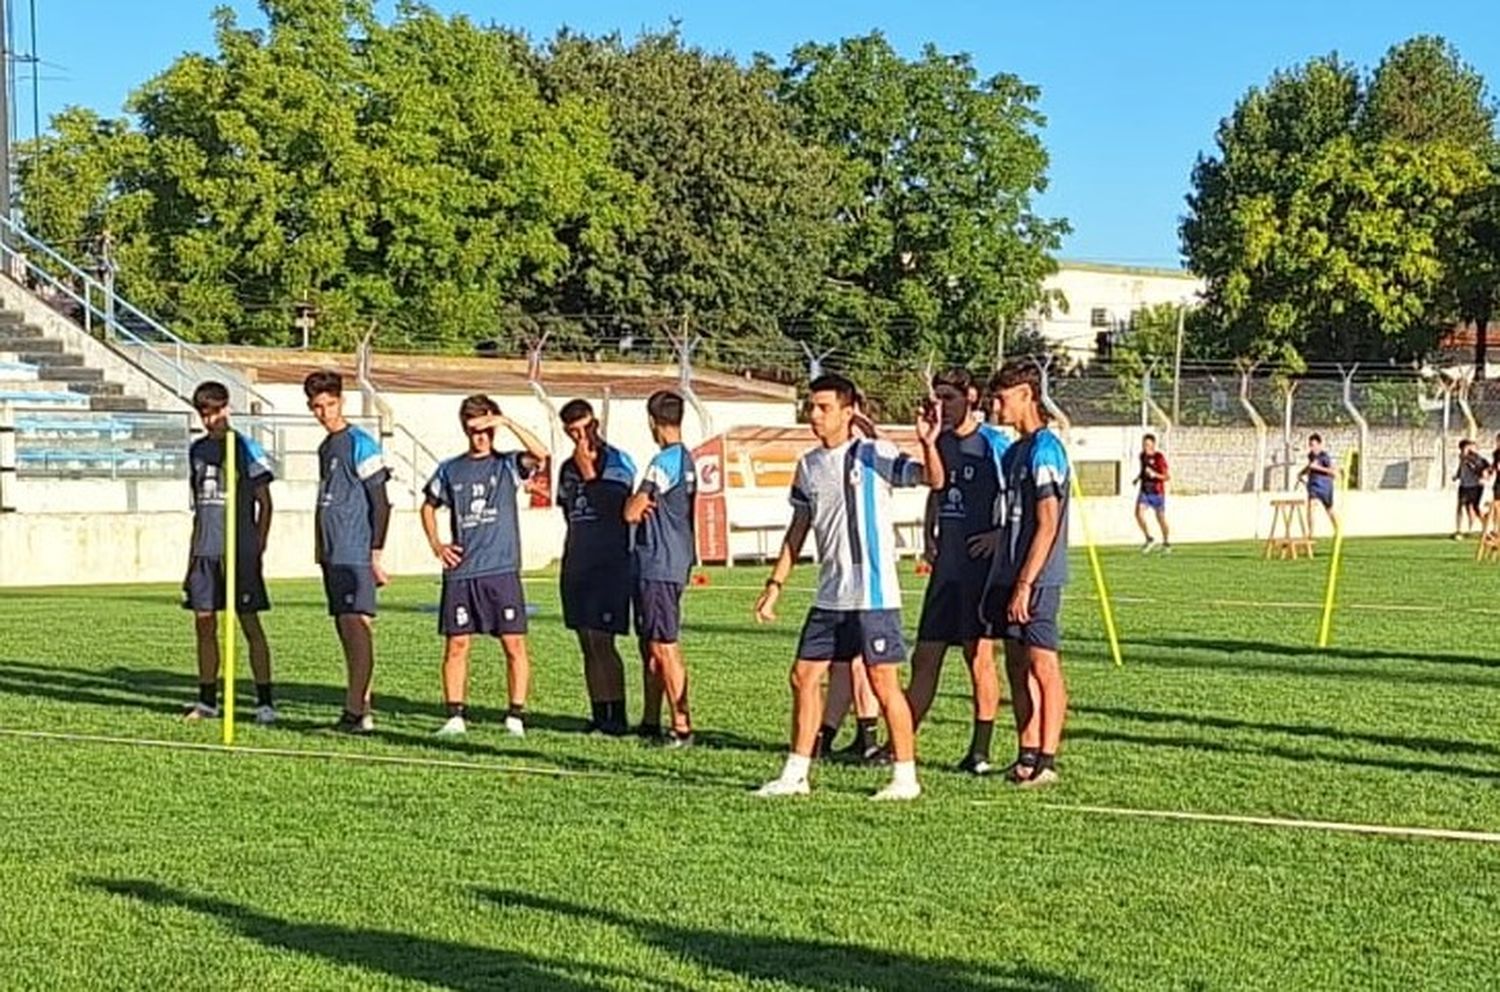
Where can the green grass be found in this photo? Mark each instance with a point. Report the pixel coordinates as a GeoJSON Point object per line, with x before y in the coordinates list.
{"type": "Point", "coordinates": [136, 867]}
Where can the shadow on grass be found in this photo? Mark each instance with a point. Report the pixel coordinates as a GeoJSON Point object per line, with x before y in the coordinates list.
{"type": "Point", "coordinates": [1234, 646]}
{"type": "Point", "coordinates": [1439, 745]}
{"type": "Point", "coordinates": [441, 963]}
{"type": "Point", "coordinates": [810, 965]}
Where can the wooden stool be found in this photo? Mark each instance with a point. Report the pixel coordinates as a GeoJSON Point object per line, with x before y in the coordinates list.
{"type": "Point", "coordinates": [1290, 517]}
{"type": "Point", "coordinates": [1489, 534]}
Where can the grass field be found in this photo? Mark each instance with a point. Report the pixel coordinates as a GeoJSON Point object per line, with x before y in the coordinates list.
{"type": "Point", "coordinates": [612, 865]}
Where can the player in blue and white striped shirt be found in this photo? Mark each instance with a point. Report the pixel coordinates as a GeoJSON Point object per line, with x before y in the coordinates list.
{"type": "Point", "coordinates": [842, 493]}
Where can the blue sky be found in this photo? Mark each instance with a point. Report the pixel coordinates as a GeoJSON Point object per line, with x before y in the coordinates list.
{"type": "Point", "coordinates": [1132, 91]}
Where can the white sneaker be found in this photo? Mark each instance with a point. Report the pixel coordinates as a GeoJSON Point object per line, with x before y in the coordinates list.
{"type": "Point", "coordinates": [455, 727]}
{"type": "Point", "coordinates": [515, 727]}
{"type": "Point", "coordinates": [778, 787]}
{"type": "Point", "coordinates": [265, 715]}
{"type": "Point", "coordinates": [1148, 547]}
{"type": "Point", "coordinates": [897, 792]}
{"type": "Point", "coordinates": [1039, 780]}
{"type": "Point", "coordinates": [367, 723]}
{"type": "Point", "coordinates": [199, 711]}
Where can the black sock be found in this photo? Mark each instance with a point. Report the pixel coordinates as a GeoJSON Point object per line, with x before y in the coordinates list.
{"type": "Point", "coordinates": [864, 732]}
{"type": "Point", "coordinates": [826, 737]}
{"type": "Point", "coordinates": [458, 709]}
{"type": "Point", "coordinates": [517, 710]}
{"type": "Point", "coordinates": [208, 694]}
{"type": "Point", "coordinates": [649, 729]}
{"type": "Point", "coordinates": [263, 695]}
{"type": "Point", "coordinates": [1045, 760]}
{"type": "Point", "coordinates": [979, 744]}
{"type": "Point", "coordinates": [1028, 756]}
{"type": "Point", "coordinates": [599, 711]}
{"type": "Point", "coordinates": [614, 713]}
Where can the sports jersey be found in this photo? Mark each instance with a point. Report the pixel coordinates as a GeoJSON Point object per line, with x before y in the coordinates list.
{"type": "Point", "coordinates": [1034, 468]}
{"type": "Point", "coordinates": [349, 464]}
{"type": "Point", "coordinates": [206, 477]}
{"type": "Point", "coordinates": [967, 503]}
{"type": "Point", "coordinates": [598, 535]}
{"type": "Point", "coordinates": [664, 547]}
{"type": "Point", "coordinates": [481, 496]}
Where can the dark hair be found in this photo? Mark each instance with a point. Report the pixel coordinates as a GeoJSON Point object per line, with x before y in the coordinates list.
{"type": "Point", "coordinates": [1465, 443]}
{"type": "Point", "coordinates": [1149, 437]}
{"type": "Point", "coordinates": [323, 381]}
{"type": "Point", "coordinates": [1016, 373]}
{"type": "Point", "coordinates": [478, 405]}
{"type": "Point", "coordinates": [957, 378]}
{"type": "Point", "coordinates": [575, 410]}
{"type": "Point", "coordinates": [665, 408]}
{"type": "Point", "coordinates": [213, 395]}
{"type": "Point", "coordinates": [1315, 437]}
{"type": "Point", "coordinates": [843, 388]}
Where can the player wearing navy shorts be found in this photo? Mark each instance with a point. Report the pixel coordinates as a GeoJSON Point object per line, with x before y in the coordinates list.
{"type": "Point", "coordinates": [662, 512]}
{"type": "Point", "coordinates": [1472, 469]}
{"type": "Point", "coordinates": [596, 582]}
{"type": "Point", "coordinates": [203, 590]}
{"type": "Point", "coordinates": [1318, 475]}
{"type": "Point", "coordinates": [1023, 595]}
{"type": "Point", "coordinates": [963, 529]}
{"type": "Point", "coordinates": [352, 518]}
{"type": "Point", "coordinates": [482, 592]}
{"type": "Point", "coordinates": [842, 494]}
{"type": "Point", "coordinates": [1152, 496]}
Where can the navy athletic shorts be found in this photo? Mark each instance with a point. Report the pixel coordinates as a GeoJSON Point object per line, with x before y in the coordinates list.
{"type": "Point", "coordinates": [597, 600]}
{"type": "Point", "coordinates": [1042, 631]}
{"type": "Point", "coordinates": [843, 635]}
{"type": "Point", "coordinates": [484, 604]}
{"type": "Point", "coordinates": [350, 589]}
{"type": "Point", "coordinates": [950, 606]}
{"type": "Point", "coordinates": [203, 589]}
{"type": "Point", "coordinates": [658, 611]}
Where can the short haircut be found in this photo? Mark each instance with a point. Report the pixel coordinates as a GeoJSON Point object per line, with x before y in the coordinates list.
{"type": "Point", "coordinates": [665, 408]}
{"type": "Point", "coordinates": [1315, 437]}
{"type": "Point", "coordinates": [211, 395]}
{"type": "Point", "coordinates": [1149, 437]}
{"type": "Point", "coordinates": [323, 381]}
{"type": "Point", "coordinates": [1465, 443]}
{"type": "Point", "coordinates": [1017, 373]}
{"type": "Point", "coordinates": [840, 386]}
{"type": "Point", "coordinates": [958, 378]}
{"type": "Point", "coordinates": [478, 405]}
{"type": "Point", "coordinates": [575, 410]}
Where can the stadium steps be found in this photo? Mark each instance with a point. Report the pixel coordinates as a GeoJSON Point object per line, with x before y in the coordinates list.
{"type": "Point", "coordinates": [59, 368]}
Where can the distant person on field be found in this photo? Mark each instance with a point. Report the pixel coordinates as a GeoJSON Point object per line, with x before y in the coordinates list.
{"type": "Point", "coordinates": [662, 512]}
{"type": "Point", "coordinates": [1472, 469]}
{"type": "Point", "coordinates": [1152, 495]}
{"type": "Point", "coordinates": [841, 492]}
{"type": "Point", "coordinates": [593, 486]}
{"type": "Point", "coordinates": [203, 590]}
{"type": "Point", "coordinates": [482, 558]}
{"type": "Point", "coordinates": [1023, 595]}
{"type": "Point", "coordinates": [352, 519]}
{"type": "Point", "coordinates": [1318, 475]}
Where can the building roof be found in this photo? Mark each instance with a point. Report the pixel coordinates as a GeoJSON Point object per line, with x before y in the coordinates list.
{"type": "Point", "coordinates": [1110, 268]}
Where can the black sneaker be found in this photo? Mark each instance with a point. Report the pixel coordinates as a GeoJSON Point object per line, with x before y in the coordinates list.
{"type": "Point", "coordinates": [354, 724]}
{"type": "Point", "coordinates": [975, 764]}
{"type": "Point", "coordinates": [648, 731]}
{"type": "Point", "coordinates": [873, 755]}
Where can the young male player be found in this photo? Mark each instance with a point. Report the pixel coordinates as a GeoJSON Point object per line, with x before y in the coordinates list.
{"type": "Point", "coordinates": [842, 493]}
{"type": "Point", "coordinates": [352, 518]}
{"type": "Point", "coordinates": [1472, 468]}
{"type": "Point", "coordinates": [1318, 475]}
{"type": "Point", "coordinates": [482, 559]}
{"type": "Point", "coordinates": [963, 528]}
{"type": "Point", "coordinates": [662, 512]}
{"type": "Point", "coordinates": [592, 488]}
{"type": "Point", "coordinates": [1024, 592]}
{"type": "Point", "coordinates": [203, 589]}
{"type": "Point", "coordinates": [1152, 480]}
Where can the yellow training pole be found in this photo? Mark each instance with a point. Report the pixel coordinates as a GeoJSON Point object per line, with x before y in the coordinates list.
{"type": "Point", "coordinates": [1104, 605]}
{"type": "Point", "coordinates": [1326, 627]}
{"type": "Point", "coordinates": [231, 594]}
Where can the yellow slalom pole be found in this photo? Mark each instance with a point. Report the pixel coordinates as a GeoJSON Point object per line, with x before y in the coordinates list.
{"type": "Point", "coordinates": [1105, 608]}
{"type": "Point", "coordinates": [1325, 629]}
{"type": "Point", "coordinates": [231, 573]}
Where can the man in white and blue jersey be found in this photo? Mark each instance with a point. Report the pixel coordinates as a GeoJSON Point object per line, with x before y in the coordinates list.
{"type": "Point", "coordinates": [963, 525]}
{"type": "Point", "coordinates": [842, 493]}
{"type": "Point", "coordinates": [662, 512]}
{"type": "Point", "coordinates": [1023, 594]}
{"type": "Point", "coordinates": [203, 590]}
{"type": "Point", "coordinates": [482, 557]}
{"type": "Point", "coordinates": [592, 488]}
{"type": "Point", "coordinates": [352, 518]}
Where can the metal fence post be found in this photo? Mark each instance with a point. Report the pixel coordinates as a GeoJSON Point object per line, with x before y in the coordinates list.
{"type": "Point", "coordinates": [7, 458]}
{"type": "Point", "coordinates": [1258, 481]}
{"type": "Point", "coordinates": [1356, 481]}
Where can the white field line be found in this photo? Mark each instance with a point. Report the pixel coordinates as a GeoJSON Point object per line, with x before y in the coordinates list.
{"type": "Point", "coordinates": [279, 752]}
{"type": "Point", "coordinates": [1333, 826]}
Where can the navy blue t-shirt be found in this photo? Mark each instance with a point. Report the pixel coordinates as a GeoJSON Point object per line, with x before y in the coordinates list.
{"type": "Point", "coordinates": [598, 536]}
{"type": "Point", "coordinates": [1319, 484]}
{"type": "Point", "coordinates": [967, 503]}
{"type": "Point", "coordinates": [664, 547]}
{"type": "Point", "coordinates": [480, 494]}
{"type": "Point", "coordinates": [349, 462]}
{"type": "Point", "coordinates": [206, 467]}
{"type": "Point", "coordinates": [1034, 468]}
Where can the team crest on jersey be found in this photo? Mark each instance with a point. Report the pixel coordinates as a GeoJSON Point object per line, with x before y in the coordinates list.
{"type": "Point", "coordinates": [856, 473]}
{"type": "Point", "coordinates": [968, 473]}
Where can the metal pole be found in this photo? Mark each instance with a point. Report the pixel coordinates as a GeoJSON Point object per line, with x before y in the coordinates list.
{"type": "Point", "coordinates": [1177, 367]}
{"type": "Point", "coordinates": [1000, 345]}
{"type": "Point", "coordinates": [1356, 482]}
{"type": "Point", "coordinates": [7, 199]}
{"type": "Point", "coordinates": [7, 458]}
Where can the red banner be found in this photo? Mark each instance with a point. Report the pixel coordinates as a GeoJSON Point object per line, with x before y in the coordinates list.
{"type": "Point", "coordinates": [711, 509]}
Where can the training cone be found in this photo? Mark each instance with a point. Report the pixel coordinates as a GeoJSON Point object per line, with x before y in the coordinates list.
{"type": "Point", "coordinates": [923, 568]}
{"type": "Point", "coordinates": [700, 579]}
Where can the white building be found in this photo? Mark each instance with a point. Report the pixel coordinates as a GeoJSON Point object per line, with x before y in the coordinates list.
{"type": "Point", "coordinates": [1097, 300]}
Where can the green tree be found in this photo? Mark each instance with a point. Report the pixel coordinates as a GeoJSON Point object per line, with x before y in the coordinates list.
{"type": "Point", "coordinates": [938, 238]}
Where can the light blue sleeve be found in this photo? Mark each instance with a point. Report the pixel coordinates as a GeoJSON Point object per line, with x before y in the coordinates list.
{"type": "Point", "coordinates": [1049, 466]}
{"type": "Point", "coordinates": [257, 463]}
{"type": "Point", "coordinates": [664, 473]}
{"type": "Point", "coordinates": [618, 468]}
{"type": "Point", "coordinates": [436, 490]}
{"type": "Point", "coordinates": [368, 459]}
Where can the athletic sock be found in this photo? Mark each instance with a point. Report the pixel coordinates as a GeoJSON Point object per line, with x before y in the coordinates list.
{"type": "Point", "coordinates": [599, 711]}
{"type": "Point", "coordinates": [826, 736]}
{"type": "Point", "coordinates": [1045, 761]}
{"type": "Point", "coordinates": [517, 711]}
{"type": "Point", "coordinates": [208, 694]}
{"type": "Point", "coordinates": [263, 695]}
{"type": "Point", "coordinates": [458, 709]}
{"type": "Point", "coordinates": [864, 733]}
{"type": "Point", "coordinates": [614, 713]}
{"type": "Point", "coordinates": [904, 773]}
{"type": "Point", "coordinates": [979, 743]}
{"type": "Point", "coordinates": [796, 768]}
